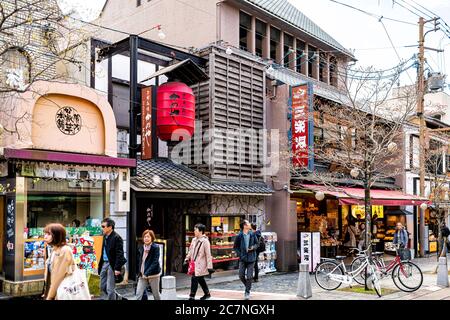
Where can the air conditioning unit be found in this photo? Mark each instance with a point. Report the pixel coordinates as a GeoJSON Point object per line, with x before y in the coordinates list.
{"type": "Point", "coordinates": [436, 81]}
{"type": "Point", "coordinates": [122, 191]}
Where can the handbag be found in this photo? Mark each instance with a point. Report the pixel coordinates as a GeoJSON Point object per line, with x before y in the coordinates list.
{"type": "Point", "coordinates": [74, 286]}
{"type": "Point", "coordinates": [191, 268]}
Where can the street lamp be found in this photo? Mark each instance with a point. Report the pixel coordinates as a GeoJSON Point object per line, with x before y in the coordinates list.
{"type": "Point", "coordinates": [392, 147]}
{"type": "Point", "coordinates": [354, 172]}
{"type": "Point", "coordinates": [423, 206]}
{"type": "Point", "coordinates": [320, 195]}
{"type": "Point", "coordinates": [229, 51]}
{"type": "Point", "coordinates": [161, 34]}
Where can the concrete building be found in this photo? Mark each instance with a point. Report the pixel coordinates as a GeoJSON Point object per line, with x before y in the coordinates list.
{"type": "Point", "coordinates": [289, 48]}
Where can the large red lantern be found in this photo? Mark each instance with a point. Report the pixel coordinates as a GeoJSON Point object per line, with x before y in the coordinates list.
{"type": "Point", "coordinates": [175, 116]}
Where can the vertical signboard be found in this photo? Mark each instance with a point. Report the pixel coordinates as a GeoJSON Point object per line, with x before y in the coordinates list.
{"type": "Point", "coordinates": [315, 250]}
{"type": "Point", "coordinates": [305, 248]}
{"type": "Point", "coordinates": [146, 123]}
{"type": "Point", "coordinates": [302, 128]}
{"type": "Point", "coordinates": [10, 227]}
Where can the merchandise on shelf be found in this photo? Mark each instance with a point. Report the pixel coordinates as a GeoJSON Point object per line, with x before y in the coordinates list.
{"type": "Point", "coordinates": [266, 259]}
{"type": "Point", "coordinates": [34, 258]}
{"type": "Point", "coordinates": [84, 253]}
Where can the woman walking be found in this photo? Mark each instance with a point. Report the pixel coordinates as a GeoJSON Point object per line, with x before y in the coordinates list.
{"type": "Point", "coordinates": [60, 262]}
{"type": "Point", "coordinates": [200, 254]}
{"type": "Point", "coordinates": [149, 270]}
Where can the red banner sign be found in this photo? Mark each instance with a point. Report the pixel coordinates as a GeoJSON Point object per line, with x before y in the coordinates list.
{"type": "Point", "coordinates": [146, 122]}
{"type": "Point", "coordinates": [300, 110]}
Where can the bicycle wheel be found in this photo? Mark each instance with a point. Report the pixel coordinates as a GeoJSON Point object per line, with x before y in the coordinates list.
{"type": "Point", "coordinates": [396, 281]}
{"type": "Point", "coordinates": [323, 272]}
{"type": "Point", "coordinates": [356, 264]}
{"type": "Point", "coordinates": [410, 276]}
{"type": "Point", "coordinates": [372, 276]}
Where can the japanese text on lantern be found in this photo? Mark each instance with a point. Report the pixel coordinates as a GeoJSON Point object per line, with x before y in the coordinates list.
{"type": "Point", "coordinates": [300, 125]}
{"type": "Point", "coordinates": [146, 121]}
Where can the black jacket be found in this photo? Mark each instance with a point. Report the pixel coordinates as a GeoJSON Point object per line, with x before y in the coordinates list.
{"type": "Point", "coordinates": [151, 265]}
{"type": "Point", "coordinates": [114, 251]}
{"type": "Point", "coordinates": [239, 247]}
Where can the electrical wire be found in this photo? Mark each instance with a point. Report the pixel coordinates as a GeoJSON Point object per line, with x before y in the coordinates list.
{"type": "Point", "coordinates": [416, 9]}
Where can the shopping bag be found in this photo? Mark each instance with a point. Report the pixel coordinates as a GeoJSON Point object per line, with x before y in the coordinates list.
{"type": "Point", "coordinates": [74, 287]}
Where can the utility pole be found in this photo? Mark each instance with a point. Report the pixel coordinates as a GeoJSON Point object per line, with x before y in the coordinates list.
{"type": "Point", "coordinates": [422, 126]}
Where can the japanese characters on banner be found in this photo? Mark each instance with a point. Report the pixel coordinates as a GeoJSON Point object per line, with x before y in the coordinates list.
{"type": "Point", "coordinates": [146, 121]}
{"type": "Point", "coordinates": [310, 249]}
{"type": "Point", "coordinates": [300, 132]}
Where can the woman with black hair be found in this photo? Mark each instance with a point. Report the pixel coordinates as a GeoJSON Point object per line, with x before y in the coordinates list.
{"type": "Point", "coordinates": [200, 258]}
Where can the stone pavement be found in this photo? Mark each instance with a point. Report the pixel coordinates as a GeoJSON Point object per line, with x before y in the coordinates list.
{"type": "Point", "coordinates": [283, 286]}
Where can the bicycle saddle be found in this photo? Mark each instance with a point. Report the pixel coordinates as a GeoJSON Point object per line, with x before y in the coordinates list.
{"type": "Point", "coordinates": [340, 257]}
{"type": "Point", "coordinates": [378, 253]}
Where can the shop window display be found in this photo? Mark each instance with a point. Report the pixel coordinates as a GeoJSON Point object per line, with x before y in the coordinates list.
{"type": "Point", "coordinates": [79, 208]}
{"type": "Point", "coordinates": [222, 234]}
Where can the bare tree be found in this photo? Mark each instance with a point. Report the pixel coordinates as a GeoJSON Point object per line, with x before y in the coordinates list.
{"type": "Point", "coordinates": [36, 40]}
{"type": "Point", "coordinates": [362, 135]}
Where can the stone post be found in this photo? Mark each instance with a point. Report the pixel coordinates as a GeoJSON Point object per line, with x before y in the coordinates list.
{"type": "Point", "coordinates": [304, 289]}
{"type": "Point", "coordinates": [442, 276]}
{"type": "Point", "coordinates": [169, 291]}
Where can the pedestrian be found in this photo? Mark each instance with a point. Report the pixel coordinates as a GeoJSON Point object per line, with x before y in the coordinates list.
{"type": "Point", "coordinates": [112, 259]}
{"type": "Point", "coordinates": [149, 270]}
{"type": "Point", "coordinates": [59, 261]}
{"type": "Point", "coordinates": [401, 236]}
{"type": "Point", "coordinates": [352, 234]}
{"type": "Point", "coordinates": [76, 223]}
{"type": "Point", "coordinates": [245, 246]}
{"type": "Point", "coordinates": [200, 255]}
{"type": "Point", "coordinates": [445, 231]}
{"type": "Point", "coordinates": [362, 237]}
{"type": "Point", "coordinates": [261, 248]}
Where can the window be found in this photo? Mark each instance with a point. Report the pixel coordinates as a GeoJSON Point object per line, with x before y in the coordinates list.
{"type": "Point", "coordinates": [245, 26]}
{"type": "Point", "coordinates": [16, 67]}
{"type": "Point", "coordinates": [300, 60]}
{"type": "Point", "coordinates": [124, 195]}
{"type": "Point", "coordinates": [274, 41]}
{"type": "Point", "coordinates": [260, 35]}
{"type": "Point", "coordinates": [311, 61]}
{"type": "Point", "coordinates": [288, 45]}
{"type": "Point", "coordinates": [124, 176]}
{"type": "Point", "coordinates": [333, 71]}
{"type": "Point", "coordinates": [322, 67]}
{"type": "Point", "coordinates": [138, 3]}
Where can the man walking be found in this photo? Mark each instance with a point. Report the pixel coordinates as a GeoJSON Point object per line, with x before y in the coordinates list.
{"type": "Point", "coordinates": [261, 248]}
{"type": "Point", "coordinates": [111, 260]}
{"type": "Point", "coordinates": [245, 246]}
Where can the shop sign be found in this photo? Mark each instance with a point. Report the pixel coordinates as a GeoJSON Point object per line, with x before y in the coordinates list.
{"type": "Point", "coordinates": [376, 210]}
{"type": "Point", "coordinates": [68, 120]}
{"type": "Point", "coordinates": [10, 226]}
{"type": "Point", "coordinates": [301, 127]}
{"type": "Point", "coordinates": [27, 170]}
{"type": "Point", "coordinates": [310, 249]}
{"type": "Point", "coordinates": [146, 123]}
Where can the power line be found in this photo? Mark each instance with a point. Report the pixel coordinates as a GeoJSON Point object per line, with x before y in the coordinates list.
{"type": "Point", "coordinates": [416, 9]}
{"type": "Point", "coordinates": [401, 5]}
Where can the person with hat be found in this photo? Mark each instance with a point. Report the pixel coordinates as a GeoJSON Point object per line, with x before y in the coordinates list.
{"type": "Point", "coordinates": [112, 260]}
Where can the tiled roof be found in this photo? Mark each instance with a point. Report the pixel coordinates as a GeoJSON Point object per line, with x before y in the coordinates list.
{"type": "Point", "coordinates": [288, 12]}
{"type": "Point", "coordinates": [163, 175]}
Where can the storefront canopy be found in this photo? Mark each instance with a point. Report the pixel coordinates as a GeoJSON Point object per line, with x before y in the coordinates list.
{"type": "Point", "coordinates": [348, 196]}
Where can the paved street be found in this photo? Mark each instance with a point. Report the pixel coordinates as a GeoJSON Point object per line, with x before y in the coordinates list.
{"type": "Point", "coordinates": [283, 286]}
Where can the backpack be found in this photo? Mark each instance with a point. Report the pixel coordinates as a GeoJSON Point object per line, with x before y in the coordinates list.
{"type": "Point", "coordinates": [261, 245]}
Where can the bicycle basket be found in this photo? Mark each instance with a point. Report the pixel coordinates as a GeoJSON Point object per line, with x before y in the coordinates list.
{"type": "Point", "coordinates": [405, 254]}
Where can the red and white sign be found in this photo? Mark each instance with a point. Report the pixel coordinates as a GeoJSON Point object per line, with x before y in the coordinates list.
{"type": "Point", "coordinates": [146, 122]}
{"type": "Point", "coordinates": [300, 112]}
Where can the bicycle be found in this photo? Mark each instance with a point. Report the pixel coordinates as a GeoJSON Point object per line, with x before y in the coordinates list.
{"type": "Point", "coordinates": [330, 275]}
{"type": "Point", "coordinates": [406, 275]}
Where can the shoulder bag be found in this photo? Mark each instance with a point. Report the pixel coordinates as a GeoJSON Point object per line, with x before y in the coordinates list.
{"type": "Point", "coordinates": [191, 269]}
{"type": "Point", "coordinates": [74, 286]}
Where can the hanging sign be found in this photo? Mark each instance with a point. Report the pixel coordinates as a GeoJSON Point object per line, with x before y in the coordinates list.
{"type": "Point", "coordinates": [300, 125]}
{"type": "Point", "coordinates": [146, 123]}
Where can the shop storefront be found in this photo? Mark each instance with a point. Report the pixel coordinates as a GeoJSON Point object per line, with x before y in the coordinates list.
{"type": "Point", "coordinates": [171, 199]}
{"type": "Point", "coordinates": [66, 171]}
{"type": "Point", "coordinates": [331, 216]}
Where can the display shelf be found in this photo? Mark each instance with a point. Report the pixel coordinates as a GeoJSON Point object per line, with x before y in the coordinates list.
{"type": "Point", "coordinates": [224, 260]}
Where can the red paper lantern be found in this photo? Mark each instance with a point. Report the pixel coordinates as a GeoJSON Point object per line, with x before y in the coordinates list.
{"type": "Point", "coordinates": [175, 116]}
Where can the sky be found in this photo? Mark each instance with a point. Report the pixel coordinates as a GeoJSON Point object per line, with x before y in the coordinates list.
{"type": "Point", "coordinates": [356, 30]}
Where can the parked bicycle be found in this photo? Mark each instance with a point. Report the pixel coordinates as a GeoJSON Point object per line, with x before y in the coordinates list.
{"type": "Point", "coordinates": [330, 274]}
{"type": "Point", "coordinates": [406, 275]}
